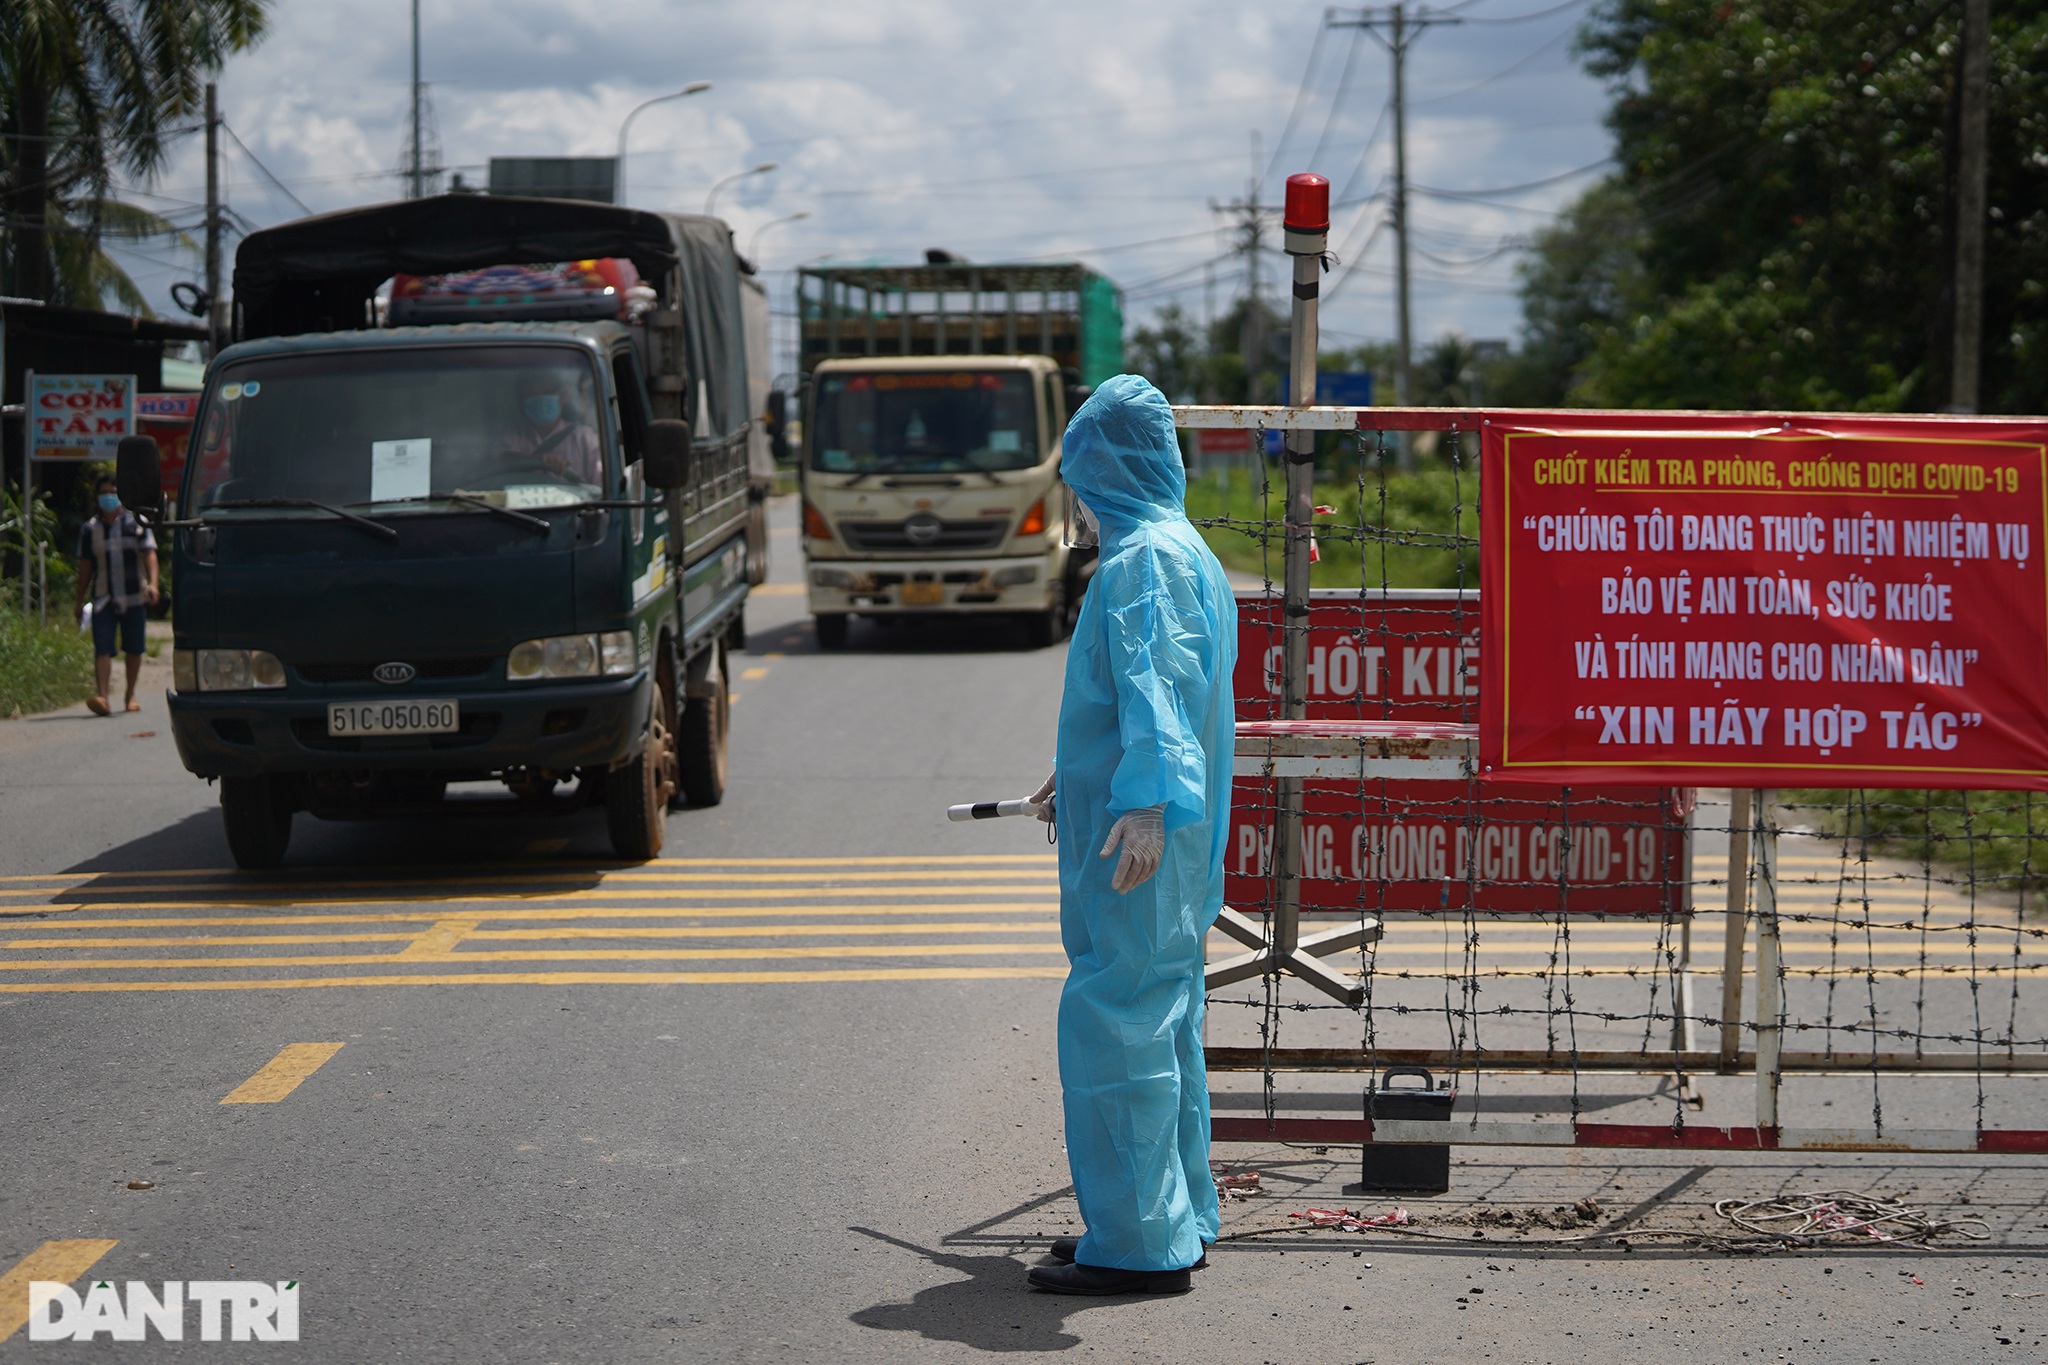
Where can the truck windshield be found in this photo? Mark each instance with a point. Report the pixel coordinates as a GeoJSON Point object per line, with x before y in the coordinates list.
{"type": "Point", "coordinates": [511, 426]}
{"type": "Point", "coordinates": [924, 421]}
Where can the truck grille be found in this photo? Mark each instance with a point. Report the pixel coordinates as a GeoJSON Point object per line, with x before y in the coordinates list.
{"type": "Point", "coordinates": [433, 669]}
{"type": "Point", "coordinates": [923, 533]}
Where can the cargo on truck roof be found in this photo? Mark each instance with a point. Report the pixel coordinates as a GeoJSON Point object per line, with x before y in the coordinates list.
{"type": "Point", "coordinates": [1062, 309]}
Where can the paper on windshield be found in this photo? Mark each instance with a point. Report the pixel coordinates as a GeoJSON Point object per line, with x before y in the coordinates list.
{"type": "Point", "coordinates": [401, 469]}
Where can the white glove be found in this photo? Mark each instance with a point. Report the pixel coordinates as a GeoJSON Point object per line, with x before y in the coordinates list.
{"type": "Point", "coordinates": [1143, 836]}
{"type": "Point", "coordinates": [1043, 798]}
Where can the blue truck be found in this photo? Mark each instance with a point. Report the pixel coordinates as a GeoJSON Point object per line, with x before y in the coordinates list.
{"type": "Point", "coordinates": [469, 500]}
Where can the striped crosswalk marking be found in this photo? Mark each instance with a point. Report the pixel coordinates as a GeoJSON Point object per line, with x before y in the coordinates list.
{"type": "Point", "coordinates": [675, 921]}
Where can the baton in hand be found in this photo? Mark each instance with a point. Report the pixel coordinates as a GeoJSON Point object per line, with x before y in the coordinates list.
{"type": "Point", "coordinates": [992, 810]}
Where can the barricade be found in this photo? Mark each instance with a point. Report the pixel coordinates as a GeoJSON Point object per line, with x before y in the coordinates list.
{"type": "Point", "coordinates": [1877, 951]}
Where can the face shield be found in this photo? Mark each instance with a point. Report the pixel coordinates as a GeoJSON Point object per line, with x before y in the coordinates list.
{"type": "Point", "coordinates": [1082, 532]}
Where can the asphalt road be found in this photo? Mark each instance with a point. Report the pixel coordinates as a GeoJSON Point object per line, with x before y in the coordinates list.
{"type": "Point", "coordinates": [788, 1094]}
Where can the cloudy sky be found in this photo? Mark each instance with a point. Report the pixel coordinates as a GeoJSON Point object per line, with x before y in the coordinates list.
{"type": "Point", "coordinates": [1000, 129]}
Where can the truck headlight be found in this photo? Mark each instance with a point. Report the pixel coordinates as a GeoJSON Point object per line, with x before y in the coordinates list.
{"type": "Point", "coordinates": [833, 578]}
{"type": "Point", "coordinates": [225, 670]}
{"type": "Point", "coordinates": [1010, 578]}
{"type": "Point", "coordinates": [573, 656]}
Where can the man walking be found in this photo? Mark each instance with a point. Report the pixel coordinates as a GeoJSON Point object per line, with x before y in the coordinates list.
{"type": "Point", "coordinates": [117, 574]}
{"type": "Point", "coordinates": [1141, 796]}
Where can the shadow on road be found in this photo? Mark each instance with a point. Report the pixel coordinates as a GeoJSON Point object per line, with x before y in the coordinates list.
{"type": "Point", "coordinates": [990, 1310]}
{"type": "Point", "coordinates": [895, 636]}
{"type": "Point", "coordinates": [567, 853]}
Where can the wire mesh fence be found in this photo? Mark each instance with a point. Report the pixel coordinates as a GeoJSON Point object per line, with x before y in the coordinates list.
{"type": "Point", "coordinates": [1866, 960]}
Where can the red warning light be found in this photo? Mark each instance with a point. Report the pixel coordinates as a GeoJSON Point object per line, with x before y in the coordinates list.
{"type": "Point", "coordinates": [1308, 203]}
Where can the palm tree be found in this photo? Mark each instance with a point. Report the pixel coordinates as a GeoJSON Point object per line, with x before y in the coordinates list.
{"type": "Point", "coordinates": [89, 87]}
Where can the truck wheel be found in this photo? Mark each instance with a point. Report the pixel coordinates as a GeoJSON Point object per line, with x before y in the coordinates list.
{"type": "Point", "coordinates": [831, 630]}
{"type": "Point", "coordinates": [258, 820]}
{"type": "Point", "coordinates": [636, 796]}
{"type": "Point", "coordinates": [706, 724]}
{"type": "Point", "coordinates": [1044, 629]}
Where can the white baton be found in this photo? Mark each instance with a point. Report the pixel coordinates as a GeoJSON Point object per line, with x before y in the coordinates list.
{"type": "Point", "coordinates": [992, 810]}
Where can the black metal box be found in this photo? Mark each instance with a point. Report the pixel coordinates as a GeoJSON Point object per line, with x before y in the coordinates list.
{"type": "Point", "coordinates": [1403, 1167]}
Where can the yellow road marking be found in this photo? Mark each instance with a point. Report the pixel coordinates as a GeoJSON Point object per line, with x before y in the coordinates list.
{"type": "Point", "coordinates": [58, 1262]}
{"type": "Point", "coordinates": [558, 932]}
{"type": "Point", "coordinates": [439, 939]}
{"type": "Point", "coordinates": [282, 1074]}
{"type": "Point", "coordinates": [599, 868]}
{"type": "Point", "coordinates": [778, 589]}
{"type": "Point", "coordinates": [58, 928]}
{"type": "Point", "coordinates": [116, 964]}
{"type": "Point", "coordinates": [555, 979]}
{"type": "Point", "coordinates": [565, 897]}
{"type": "Point", "coordinates": [749, 674]}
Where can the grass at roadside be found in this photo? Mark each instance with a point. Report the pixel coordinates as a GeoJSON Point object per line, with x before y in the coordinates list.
{"type": "Point", "coordinates": [1999, 840]}
{"type": "Point", "coordinates": [1425, 535]}
{"type": "Point", "coordinates": [41, 667]}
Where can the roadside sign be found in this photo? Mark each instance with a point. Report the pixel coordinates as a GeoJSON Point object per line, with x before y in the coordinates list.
{"type": "Point", "coordinates": [1434, 847]}
{"type": "Point", "coordinates": [168, 417]}
{"type": "Point", "coordinates": [1820, 602]}
{"type": "Point", "coordinates": [79, 416]}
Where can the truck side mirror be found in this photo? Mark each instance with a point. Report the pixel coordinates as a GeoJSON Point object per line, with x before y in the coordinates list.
{"type": "Point", "coordinates": [1077, 394]}
{"type": "Point", "coordinates": [138, 474]}
{"type": "Point", "coordinates": [667, 453]}
{"type": "Point", "coordinates": [778, 425]}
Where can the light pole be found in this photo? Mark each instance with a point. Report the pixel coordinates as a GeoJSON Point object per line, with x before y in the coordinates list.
{"type": "Point", "coordinates": [754, 243]}
{"type": "Point", "coordinates": [619, 165]}
{"type": "Point", "coordinates": [712, 198]}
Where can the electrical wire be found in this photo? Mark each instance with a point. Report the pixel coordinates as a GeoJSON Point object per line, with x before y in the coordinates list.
{"type": "Point", "coordinates": [258, 163]}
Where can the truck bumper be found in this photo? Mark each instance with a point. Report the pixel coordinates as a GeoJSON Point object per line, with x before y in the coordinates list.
{"type": "Point", "coordinates": [872, 587]}
{"type": "Point", "coordinates": [562, 726]}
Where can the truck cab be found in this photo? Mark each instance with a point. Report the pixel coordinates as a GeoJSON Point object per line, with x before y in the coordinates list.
{"type": "Point", "coordinates": [934, 403]}
{"type": "Point", "coordinates": [932, 484]}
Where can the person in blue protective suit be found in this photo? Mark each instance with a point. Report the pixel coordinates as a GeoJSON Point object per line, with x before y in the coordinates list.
{"type": "Point", "coordinates": [1141, 799]}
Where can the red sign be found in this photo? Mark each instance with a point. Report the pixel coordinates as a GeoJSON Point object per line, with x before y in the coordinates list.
{"type": "Point", "coordinates": [1433, 846]}
{"type": "Point", "coordinates": [168, 417]}
{"type": "Point", "coordinates": [1836, 602]}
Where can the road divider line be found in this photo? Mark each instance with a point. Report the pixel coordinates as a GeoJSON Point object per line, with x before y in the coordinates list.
{"type": "Point", "coordinates": [189, 964]}
{"type": "Point", "coordinates": [568, 897]}
{"type": "Point", "coordinates": [551, 979]}
{"type": "Point", "coordinates": [195, 941]}
{"type": "Point", "coordinates": [580, 912]}
{"type": "Point", "coordinates": [56, 1262]}
{"type": "Point", "coordinates": [439, 939]}
{"type": "Point", "coordinates": [283, 1073]}
{"type": "Point", "coordinates": [750, 674]}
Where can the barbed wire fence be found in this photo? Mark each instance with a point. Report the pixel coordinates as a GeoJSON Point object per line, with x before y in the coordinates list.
{"type": "Point", "coordinates": [1885, 939]}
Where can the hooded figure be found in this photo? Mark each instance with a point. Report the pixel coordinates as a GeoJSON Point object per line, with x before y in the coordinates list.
{"type": "Point", "coordinates": [1146, 736]}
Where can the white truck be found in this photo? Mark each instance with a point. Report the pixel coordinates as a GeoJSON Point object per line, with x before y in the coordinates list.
{"type": "Point", "coordinates": [935, 399]}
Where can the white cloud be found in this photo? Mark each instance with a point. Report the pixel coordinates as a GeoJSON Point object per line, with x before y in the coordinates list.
{"type": "Point", "coordinates": [993, 128]}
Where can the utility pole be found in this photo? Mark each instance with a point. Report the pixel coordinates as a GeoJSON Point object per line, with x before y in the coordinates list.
{"type": "Point", "coordinates": [1396, 29]}
{"type": "Point", "coordinates": [415, 167]}
{"type": "Point", "coordinates": [1973, 65]}
{"type": "Point", "coordinates": [216, 306]}
{"type": "Point", "coordinates": [1250, 226]}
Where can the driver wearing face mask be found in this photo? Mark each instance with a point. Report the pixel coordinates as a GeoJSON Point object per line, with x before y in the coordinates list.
{"type": "Point", "coordinates": [545, 436]}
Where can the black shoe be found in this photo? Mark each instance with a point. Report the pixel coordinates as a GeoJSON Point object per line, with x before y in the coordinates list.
{"type": "Point", "coordinates": [1094, 1279]}
{"type": "Point", "coordinates": [1063, 1249]}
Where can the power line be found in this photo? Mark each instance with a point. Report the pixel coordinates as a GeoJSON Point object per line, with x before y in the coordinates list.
{"type": "Point", "coordinates": [257, 161]}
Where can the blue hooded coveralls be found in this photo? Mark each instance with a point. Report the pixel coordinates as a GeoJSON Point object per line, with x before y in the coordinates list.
{"type": "Point", "coordinates": [1146, 720]}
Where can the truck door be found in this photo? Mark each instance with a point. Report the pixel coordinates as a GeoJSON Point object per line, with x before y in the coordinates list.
{"type": "Point", "coordinates": [646, 554]}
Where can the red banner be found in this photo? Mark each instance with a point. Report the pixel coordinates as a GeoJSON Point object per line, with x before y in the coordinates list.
{"type": "Point", "coordinates": [1732, 600]}
{"type": "Point", "coordinates": [1434, 846]}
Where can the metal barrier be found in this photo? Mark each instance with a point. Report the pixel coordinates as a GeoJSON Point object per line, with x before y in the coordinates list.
{"type": "Point", "coordinates": [1484, 930]}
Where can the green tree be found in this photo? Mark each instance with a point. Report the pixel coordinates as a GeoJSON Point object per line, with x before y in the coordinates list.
{"type": "Point", "coordinates": [89, 89]}
{"type": "Point", "coordinates": [1780, 231]}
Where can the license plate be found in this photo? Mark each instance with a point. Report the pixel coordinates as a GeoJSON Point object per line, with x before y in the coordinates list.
{"type": "Point", "coordinates": [409, 717]}
{"type": "Point", "coordinates": [923, 594]}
